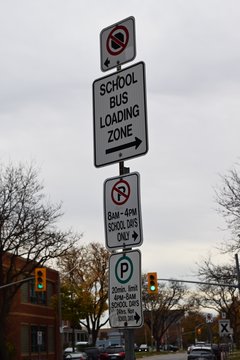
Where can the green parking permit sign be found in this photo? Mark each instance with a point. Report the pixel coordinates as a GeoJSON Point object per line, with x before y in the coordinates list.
{"type": "Point", "coordinates": [124, 269]}
{"type": "Point", "coordinates": [125, 302]}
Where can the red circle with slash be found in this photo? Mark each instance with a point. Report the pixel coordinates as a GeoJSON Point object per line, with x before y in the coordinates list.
{"type": "Point", "coordinates": [120, 192]}
{"type": "Point", "coordinates": [114, 40]}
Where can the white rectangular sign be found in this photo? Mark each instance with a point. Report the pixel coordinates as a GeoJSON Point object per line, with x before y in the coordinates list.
{"type": "Point", "coordinates": [125, 293]}
{"type": "Point", "coordinates": [118, 44]}
{"type": "Point", "coordinates": [39, 337]}
{"type": "Point", "coordinates": [120, 116]}
{"type": "Point", "coordinates": [224, 327]}
{"type": "Point", "coordinates": [122, 211]}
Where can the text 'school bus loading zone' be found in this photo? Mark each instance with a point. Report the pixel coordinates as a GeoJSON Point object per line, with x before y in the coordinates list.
{"type": "Point", "coordinates": [120, 120]}
{"type": "Point", "coordinates": [115, 101]}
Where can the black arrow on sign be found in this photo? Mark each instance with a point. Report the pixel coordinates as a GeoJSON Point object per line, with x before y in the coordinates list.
{"type": "Point", "coordinates": [107, 62]}
{"type": "Point", "coordinates": [137, 317]}
{"type": "Point", "coordinates": [134, 235]}
{"type": "Point", "coordinates": [135, 143]}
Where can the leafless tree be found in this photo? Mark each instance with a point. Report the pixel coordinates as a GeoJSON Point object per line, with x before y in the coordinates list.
{"type": "Point", "coordinates": [165, 308]}
{"type": "Point", "coordinates": [228, 199]}
{"type": "Point", "coordinates": [223, 299]}
{"type": "Point", "coordinates": [27, 230]}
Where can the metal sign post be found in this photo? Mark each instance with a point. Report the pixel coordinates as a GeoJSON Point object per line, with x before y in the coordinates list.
{"type": "Point", "coordinates": [120, 133]}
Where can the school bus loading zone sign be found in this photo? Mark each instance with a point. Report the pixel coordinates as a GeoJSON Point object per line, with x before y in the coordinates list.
{"type": "Point", "coordinates": [120, 116]}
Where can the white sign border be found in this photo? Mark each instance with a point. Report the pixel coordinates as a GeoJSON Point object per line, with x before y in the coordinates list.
{"type": "Point", "coordinates": [111, 314]}
{"type": "Point", "coordinates": [104, 162]}
{"type": "Point", "coordinates": [118, 60]}
{"type": "Point", "coordinates": [140, 227]}
{"type": "Point", "coordinates": [227, 331]}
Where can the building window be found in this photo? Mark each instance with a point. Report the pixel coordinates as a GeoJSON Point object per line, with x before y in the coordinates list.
{"type": "Point", "coordinates": [38, 339]}
{"type": "Point", "coordinates": [50, 292]}
{"type": "Point", "coordinates": [24, 339]}
{"type": "Point", "coordinates": [51, 339]}
{"type": "Point", "coordinates": [24, 292]}
{"type": "Point", "coordinates": [28, 294]}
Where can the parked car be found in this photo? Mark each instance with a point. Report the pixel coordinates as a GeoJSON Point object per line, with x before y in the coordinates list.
{"type": "Point", "coordinates": [189, 349]}
{"type": "Point", "coordinates": [76, 355]}
{"type": "Point", "coordinates": [113, 352]}
{"type": "Point", "coordinates": [93, 352]}
{"type": "Point", "coordinates": [173, 348]}
{"type": "Point", "coordinates": [88, 352]}
{"type": "Point", "coordinates": [143, 347]}
{"type": "Point", "coordinates": [201, 353]}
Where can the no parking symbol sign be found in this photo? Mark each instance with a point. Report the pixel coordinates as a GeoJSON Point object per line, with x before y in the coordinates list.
{"type": "Point", "coordinates": [117, 44]}
{"type": "Point", "coordinates": [117, 40]}
{"type": "Point", "coordinates": [120, 192]}
{"type": "Point", "coordinates": [122, 211]}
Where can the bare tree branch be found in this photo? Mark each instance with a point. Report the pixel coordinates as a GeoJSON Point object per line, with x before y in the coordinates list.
{"type": "Point", "coordinates": [27, 229]}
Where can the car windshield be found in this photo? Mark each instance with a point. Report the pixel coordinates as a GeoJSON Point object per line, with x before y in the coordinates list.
{"type": "Point", "coordinates": [206, 351]}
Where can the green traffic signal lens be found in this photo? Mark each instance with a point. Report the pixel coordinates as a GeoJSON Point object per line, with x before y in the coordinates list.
{"type": "Point", "coordinates": [40, 280]}
{"type": "Point", "coordinates": [152, 283]}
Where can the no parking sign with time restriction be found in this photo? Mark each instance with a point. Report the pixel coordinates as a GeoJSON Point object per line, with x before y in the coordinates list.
{"type": "Point", "coordinates": [122, 211]}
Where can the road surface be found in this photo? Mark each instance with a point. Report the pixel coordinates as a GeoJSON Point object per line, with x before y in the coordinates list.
{"type": "Point", "coordinates": [169, 356]}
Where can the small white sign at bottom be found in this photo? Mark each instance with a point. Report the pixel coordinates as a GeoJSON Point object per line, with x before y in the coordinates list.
{"type": "Point", "coordinates": [224, 327]}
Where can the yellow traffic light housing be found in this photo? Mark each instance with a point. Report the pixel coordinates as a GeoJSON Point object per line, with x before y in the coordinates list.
{"type": "Point", "coordinates": [40, 279]}
{"type": "Point", "coordinates": [152, 283]}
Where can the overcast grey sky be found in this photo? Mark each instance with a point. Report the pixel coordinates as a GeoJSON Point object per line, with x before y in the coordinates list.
{"type": "Point", "coordinates": [49, 58]}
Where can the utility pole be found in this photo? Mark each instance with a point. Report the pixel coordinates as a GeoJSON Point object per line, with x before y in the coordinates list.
{"type": "Point", "coordinates": [238, 271]}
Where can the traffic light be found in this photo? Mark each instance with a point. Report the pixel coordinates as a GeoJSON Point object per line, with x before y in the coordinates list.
{"type": "Point", "coordinates": [40, 279]}
{"type": "Point", "coordinates": [152, 283]}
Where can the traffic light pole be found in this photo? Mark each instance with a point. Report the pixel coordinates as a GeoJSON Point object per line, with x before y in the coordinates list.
{"type": "Point", "coordinates": [16, 282]}
{"type": "Point", "coordinates": [201, 283]}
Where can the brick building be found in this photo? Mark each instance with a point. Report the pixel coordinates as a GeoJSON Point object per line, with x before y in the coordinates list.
{"type": "Point", "coordinates": [33, 323]}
